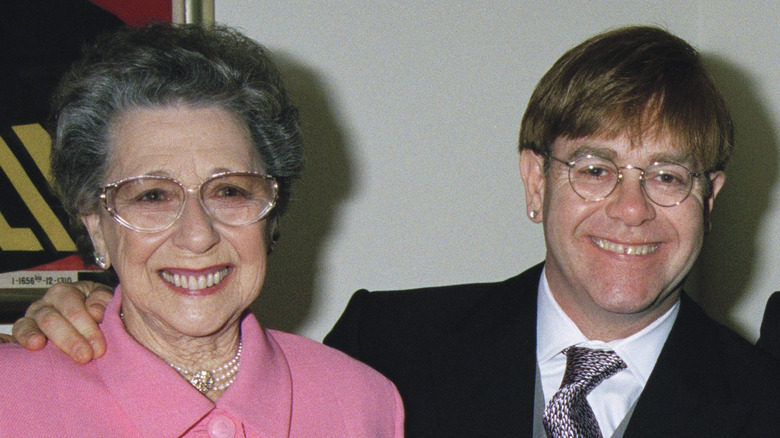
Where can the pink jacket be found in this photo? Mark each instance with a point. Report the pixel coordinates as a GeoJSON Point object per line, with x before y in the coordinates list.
{"type": "Point", "coordinates": [287, 386]}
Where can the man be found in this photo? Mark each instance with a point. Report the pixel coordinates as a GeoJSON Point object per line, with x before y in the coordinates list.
{"type": "Point", "coordinates": [622, 154]}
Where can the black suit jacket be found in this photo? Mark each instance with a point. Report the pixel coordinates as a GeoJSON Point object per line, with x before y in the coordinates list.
{"type": "Point", "coordinates": [770, 326]}
{"type": "Point", "coordinates": [464, 360]}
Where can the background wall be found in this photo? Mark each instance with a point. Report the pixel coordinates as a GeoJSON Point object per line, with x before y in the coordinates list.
{"type": "Point", "coordinates": [411, 110]}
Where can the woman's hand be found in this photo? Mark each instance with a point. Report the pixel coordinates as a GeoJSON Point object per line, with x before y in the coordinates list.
{"type": "Point", "coordinates": [67, 315]}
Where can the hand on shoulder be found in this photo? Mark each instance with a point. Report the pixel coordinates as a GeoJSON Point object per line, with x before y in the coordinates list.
{"type": "Point", "coordinates": [67, 315]}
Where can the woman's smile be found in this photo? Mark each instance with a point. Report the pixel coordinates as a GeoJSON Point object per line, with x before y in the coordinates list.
{"type": "Point", "coordinates": [195, 281]}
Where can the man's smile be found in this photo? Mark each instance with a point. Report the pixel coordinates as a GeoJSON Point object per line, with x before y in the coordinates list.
{"type": "Point", "coordinates": [622, 248]}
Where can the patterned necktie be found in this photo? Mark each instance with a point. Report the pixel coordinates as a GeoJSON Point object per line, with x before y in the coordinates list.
{"type": "Point", "coordinates": [569, 415]}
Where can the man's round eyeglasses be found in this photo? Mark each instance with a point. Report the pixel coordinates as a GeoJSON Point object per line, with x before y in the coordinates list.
{"type": "Point", "coordinates": [594, 178]}
{"type": "Point", "coordinates": [151, 203]}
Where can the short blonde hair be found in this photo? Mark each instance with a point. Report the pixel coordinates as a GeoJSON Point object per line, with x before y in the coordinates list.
{"type": "Point", "coordinates": [637, 81]}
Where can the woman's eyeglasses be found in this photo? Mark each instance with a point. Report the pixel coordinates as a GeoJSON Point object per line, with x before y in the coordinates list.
{"type": "Point", "coordinates": [154, 203]}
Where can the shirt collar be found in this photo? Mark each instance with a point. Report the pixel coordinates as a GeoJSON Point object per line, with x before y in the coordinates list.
{"type": "Point", "coordinates": [555, 331]}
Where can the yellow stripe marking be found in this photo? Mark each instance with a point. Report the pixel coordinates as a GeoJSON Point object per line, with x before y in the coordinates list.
{"type": "Point", "coordinates": [17, 239]}
{"type": "Point", "coordinates": [33, 199]}
{"type": "Point", "coordinates": [38, 144]}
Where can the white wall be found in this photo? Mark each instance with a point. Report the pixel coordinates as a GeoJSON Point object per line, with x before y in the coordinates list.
{"type": "Point", "coordinates": [412, 108]}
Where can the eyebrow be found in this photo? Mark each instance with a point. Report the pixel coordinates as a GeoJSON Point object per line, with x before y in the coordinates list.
{"type": "Point", "coordinates": [674, 157]}
{"type": "Point", "coordinates": [213, 171]}
{"type": "Point", "coordinates": [157, 172]}
{"type": "Point", "coordinates": [588, 149]}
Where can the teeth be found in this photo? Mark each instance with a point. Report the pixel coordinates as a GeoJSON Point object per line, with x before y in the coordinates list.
{"type": "Point", "coordinates": [193, 282]}
{"type": "Point", "coordinates": [625, 249]}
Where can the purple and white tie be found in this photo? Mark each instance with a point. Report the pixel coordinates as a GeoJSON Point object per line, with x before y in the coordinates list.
{"type": "Point", "coordinates": [569, 415]}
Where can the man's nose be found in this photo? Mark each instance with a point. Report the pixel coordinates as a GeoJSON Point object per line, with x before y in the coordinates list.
{"type": "Point", "coordinates": [629, 202]}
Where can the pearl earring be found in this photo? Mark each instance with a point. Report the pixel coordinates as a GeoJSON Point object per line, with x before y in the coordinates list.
{"type": "Point", "coordinates": [101, 262]}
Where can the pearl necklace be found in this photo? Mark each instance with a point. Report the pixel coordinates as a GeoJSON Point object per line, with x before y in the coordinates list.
{"type": "Point", "coordinates": [216, 379]}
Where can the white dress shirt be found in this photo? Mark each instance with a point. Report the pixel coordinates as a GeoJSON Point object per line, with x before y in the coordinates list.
{"type": "Point", "coordinates": [614, 397]}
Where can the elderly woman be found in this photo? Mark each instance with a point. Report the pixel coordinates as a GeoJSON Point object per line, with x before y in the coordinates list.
{"type": "Point", "coordinates": [173, 150]}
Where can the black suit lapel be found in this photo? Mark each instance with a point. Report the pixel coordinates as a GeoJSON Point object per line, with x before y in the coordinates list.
{"type": "Point", "coordinates": [485, 365]}
{"type": "Point", "coordinates": [685, 395]}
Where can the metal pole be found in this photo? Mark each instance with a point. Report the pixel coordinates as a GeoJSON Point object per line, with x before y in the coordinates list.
{"type": "Point", "coordinates": [194, 12]}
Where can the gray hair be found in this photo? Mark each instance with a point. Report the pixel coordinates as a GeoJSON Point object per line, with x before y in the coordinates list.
{"type": "Point", "coordinates": [162, 65]}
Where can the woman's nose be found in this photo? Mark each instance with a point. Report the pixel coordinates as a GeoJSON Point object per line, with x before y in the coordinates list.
{"type": "Point", "coordinates": [195, 228]}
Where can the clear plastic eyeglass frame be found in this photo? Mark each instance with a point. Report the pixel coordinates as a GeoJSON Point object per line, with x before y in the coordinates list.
{"type": "Point", "coordinates": [165, 219]}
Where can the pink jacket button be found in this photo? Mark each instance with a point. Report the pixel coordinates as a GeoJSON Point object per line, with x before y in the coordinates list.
{"type": "Point", "coordinates": [221, 426]}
